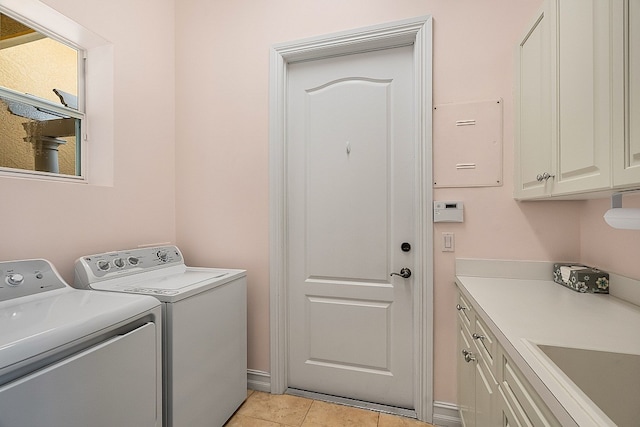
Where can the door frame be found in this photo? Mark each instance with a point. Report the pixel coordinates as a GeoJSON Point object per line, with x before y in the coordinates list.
{"type": "Point", "coordinates": [416, 32]}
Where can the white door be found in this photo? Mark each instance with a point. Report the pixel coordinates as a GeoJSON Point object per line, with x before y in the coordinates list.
{"type": "Point", "coordinates": [351, 179]}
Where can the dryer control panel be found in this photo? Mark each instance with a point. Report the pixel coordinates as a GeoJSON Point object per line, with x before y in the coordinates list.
{"type": "Point", "coordinates": [94, 268]}
{"type": "Point", "coordinates": [27, 277]}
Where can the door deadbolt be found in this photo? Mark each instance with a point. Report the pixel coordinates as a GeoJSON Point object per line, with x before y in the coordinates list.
{"type": "Point", "coordinates": [405, 246]}
{"type": "Point", "coordinates": [405, 273]}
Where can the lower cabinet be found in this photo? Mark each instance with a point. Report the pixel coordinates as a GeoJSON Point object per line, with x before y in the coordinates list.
{"type": "Point", "coordinates": [466, 382]}
{"type": "Point", "coordinates": [485, 388]}
{"type": "Point", "coordinates": [520, 405]}
{"type": "Point", "coordinates": [477, 385]}
{"type": "Point", "coordinates": [491, 389]}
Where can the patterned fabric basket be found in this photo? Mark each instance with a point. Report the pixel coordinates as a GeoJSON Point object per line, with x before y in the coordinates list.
{"type": "Point", "coordinates": [581, 278]}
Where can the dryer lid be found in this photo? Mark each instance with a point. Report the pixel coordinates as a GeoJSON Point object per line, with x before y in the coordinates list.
{"type": "Point", "coordinates": [32, 326]}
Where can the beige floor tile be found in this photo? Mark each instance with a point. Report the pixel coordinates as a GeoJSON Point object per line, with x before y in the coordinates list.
{"type": "Point", "coordinates": [241, 421]}
{"type": "Point", "coordinates": [324, 414]}
{"type": "Point", "coordinates": [282, 408]}
{"type": "Point", "coordinates": [387, 420]}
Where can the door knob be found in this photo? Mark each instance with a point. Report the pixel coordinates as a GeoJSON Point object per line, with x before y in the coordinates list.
{"type": "Point", "coordinates": [405, 273]}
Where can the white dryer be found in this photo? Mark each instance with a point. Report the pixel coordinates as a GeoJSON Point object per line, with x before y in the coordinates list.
{"type": "Point", "coordinates": [71, 358]}
{"type": "Point", "coordinates": [205, 323]}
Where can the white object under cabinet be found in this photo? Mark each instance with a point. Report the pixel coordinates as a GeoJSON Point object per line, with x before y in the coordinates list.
{"type": "Point", "coordinates": [491, 389]}
{"type": "Point", "coordinates": [569, 99]}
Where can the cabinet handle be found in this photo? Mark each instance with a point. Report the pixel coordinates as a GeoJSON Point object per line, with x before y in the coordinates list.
{"type": "Point", "coordinates": [544, 177]}
{"type": "Point", "coordinates": [468, 356]}
{"type": "Point", "coordinates": [459, 307]}
{"type": "Point", "coordinates": [478, 336]}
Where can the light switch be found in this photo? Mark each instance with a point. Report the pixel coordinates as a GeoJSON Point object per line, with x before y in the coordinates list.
{"type": "Point", "coordinates": [448, 242]}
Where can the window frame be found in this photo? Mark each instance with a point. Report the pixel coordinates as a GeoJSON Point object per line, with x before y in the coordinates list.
{"type": "Point", "coordinates": [46, 105]}
{"type": "Point", "coordinates": [95, 91]}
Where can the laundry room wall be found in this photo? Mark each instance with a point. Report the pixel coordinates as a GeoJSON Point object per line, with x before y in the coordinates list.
{"type": "Point", "coordinates": [222, 146]}
{"type": "Point", "coordinates": [61, 221]}
{"type": "Point", "coordinates": [196, 171]}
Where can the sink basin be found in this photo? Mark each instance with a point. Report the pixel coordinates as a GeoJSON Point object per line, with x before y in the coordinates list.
{"type": "Point", "coordinates": [610, 380]}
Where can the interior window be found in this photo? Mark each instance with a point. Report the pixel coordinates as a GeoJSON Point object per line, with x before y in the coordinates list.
{"type": "Point", "coordinates": [41, 110]}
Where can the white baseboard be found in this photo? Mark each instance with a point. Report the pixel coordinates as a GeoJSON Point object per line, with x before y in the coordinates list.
{"type": "Point", "coordinates": [444, 414]}
{"type": "Point", "coordinates": [258, 380]}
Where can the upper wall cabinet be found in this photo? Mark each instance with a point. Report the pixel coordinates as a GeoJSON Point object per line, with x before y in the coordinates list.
{"type": "Point", "coordinates": [533, 115]}
{"type": "Point", "coordinates": [574, 104]}
{"type": "Point", "coordinates": [626, 155]}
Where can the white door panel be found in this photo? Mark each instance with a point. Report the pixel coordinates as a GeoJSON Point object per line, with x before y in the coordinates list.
{"type": "Point", "coordinates": [348, 177]}
{"type": "Point", "coordinates": [362, 345]}
{"type": "Point", "coordinates": [350, 187]}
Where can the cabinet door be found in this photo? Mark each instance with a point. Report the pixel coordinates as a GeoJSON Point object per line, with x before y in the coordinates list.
{"type": "Point", "coordinates": [466, 379]}
{"type": "Point", "coordinates": [525, 404]}
{"type": "Point", "coordinates": [506, 416]}
{"type": "Point", "coordinates": [476, 383]}
{"type": "Point", "coordinates": [626, 169]}
{"type": "Point", "coordinates": [533, 133]}
{"type": "Point", "coordinates": [486, 387]}
{"type": "Point", "coordinates": [583, 106]}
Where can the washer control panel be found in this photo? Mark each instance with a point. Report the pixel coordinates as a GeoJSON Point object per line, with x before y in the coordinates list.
{"type": "Point", "coordinates": [27, 277]}
{"type": "Point", "coordinates": [97, 267]}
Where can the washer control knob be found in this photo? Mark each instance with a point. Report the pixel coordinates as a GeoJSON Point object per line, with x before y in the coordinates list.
{"type": "Point", "coordinates": [15, 279]}
{"type": "Point", "coordinates": [118, 262]}
{"type": "Point", "coordinates": [162, 255]}
{"type": "Point", "coordinates": [103, 265]}
{"type": "Point", "coordinates": [133, 260]}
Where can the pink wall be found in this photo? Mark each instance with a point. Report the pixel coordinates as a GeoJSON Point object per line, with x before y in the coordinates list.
{"type": "Point", "coordinates": [222, 140]}
{"type": "Point", "coordinates": [62, 221]}
{"type": "Point", "coordinates": [203, 183]}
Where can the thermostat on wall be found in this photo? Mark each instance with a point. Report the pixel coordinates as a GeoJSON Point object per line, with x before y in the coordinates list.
{"type": "Point", "coordinates": [448, 212]}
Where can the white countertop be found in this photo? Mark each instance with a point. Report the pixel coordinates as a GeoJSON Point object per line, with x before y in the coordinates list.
{"type": "Point", "coordinates": [522, 311]}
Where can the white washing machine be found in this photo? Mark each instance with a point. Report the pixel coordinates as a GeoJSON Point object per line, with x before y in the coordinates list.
{"type": "Point", "coordinates": [71, 358]}
{"type": "Point", "coordinates": [205, 323]}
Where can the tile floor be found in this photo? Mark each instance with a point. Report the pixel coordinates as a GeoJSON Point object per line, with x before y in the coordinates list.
{"type": "Point", "coordinates": [267, 410]}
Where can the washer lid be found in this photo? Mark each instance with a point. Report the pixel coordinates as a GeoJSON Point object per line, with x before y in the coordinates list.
{"type": "Point", "coordinates": [33, 325]}
{"type": "Point", "coordinates": [171, 287]}
{"type": "Point", "coordinates": [181, 281]}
